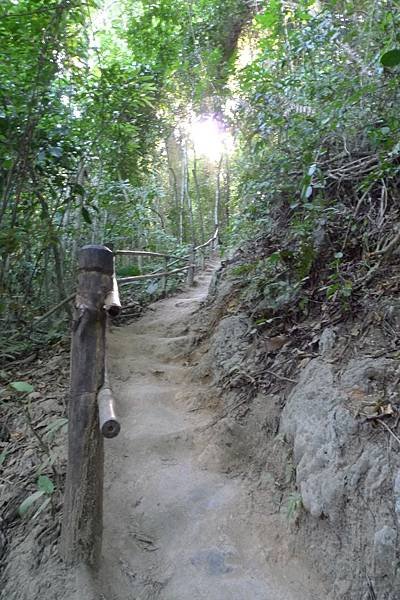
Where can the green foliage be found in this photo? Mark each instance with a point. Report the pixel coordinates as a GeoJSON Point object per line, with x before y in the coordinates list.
{"type": "Point", "coordinates": [45, 489]}
{"type": "Point", "coordinates": [54, 427]}
{"type": "Point", "coordinates": [85, 112]}
{"type": "Point", "coordinates": [95, 144]}
{"type": "Point", "coordinates": [128, 271]}
{"type": "Point", "coordinates": [22, 387]}
{"type": "Point", "coordinates": [244, 269]}
{"type": "Point", "coordinates": [391, 58]}
{"type": "Point", "coordinates": [294, 505]}
{"type": "Point", "coordinates": [315, 106]}
{"type": "Point", "coordinates": [3, 456]}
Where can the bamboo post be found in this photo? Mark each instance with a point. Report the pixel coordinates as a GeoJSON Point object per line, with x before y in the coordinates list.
{"type": "Point", "coordinates": [83, 503]}
{"type": "Point", "coordinates": [112, 303]}
{"type": "Point", "coordinates": [108, 421]}
{"type": "Point", "coordinates": [164, 278]}
{"type": "Point", "coordinates": [192, 265]}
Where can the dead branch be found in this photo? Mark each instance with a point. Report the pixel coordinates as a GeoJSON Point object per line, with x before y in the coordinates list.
{"type": "Point", "coordinates": [54, 309]}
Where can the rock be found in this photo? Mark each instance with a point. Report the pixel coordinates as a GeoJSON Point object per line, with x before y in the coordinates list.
{"type": "Point", "coordinates": [396, 492]}
{"type": "Point", "coordinates": [360, 373]}
{"type": "Point", "coordinates": [343, 473]}
{"type": "Point", "coordinates": [4, 433]}
{"type": "Point", "coordinates": [385, 551]}
{"type": "Point", "coordinates": [2, 538]}
{"type": "Point", "coordinates": [327, 341]}
{"type": "Point", "coordinates": [226, 348]}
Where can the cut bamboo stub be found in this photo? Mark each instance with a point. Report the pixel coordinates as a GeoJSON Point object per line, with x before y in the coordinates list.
{"type": "Point", "coordinates": [112, 302]}
{"type": "Point", "coordinates": [108, 421]}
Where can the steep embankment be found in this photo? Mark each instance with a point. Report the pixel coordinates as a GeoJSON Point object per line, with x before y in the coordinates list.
{"type": "Point", "coordinates": [310, 413]}
{"type": "Point", "coordinates": [177, 525]}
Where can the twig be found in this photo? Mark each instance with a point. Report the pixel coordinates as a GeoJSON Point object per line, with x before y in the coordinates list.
{"type": "Point", "coordinates": [54, 309]}
{"type": "Point", "coordinates": [22, 361]}
{"type": "Point", "coordinates": [278, 376]}
{"type": "Point", "coordinates": [238, 377]}
{"type": "Point", "coordinates": [390, 431]}
{"type": "Point", "coordinates": [224, 414]}
{"type": "Point", "coordinates": [390, 246]}
{"type": "Point", "coordinates": [368, 276]}
{"type": "Point", "coordinates": [372, 594]}
{"type": "Point", "coordinates": [42, 445]}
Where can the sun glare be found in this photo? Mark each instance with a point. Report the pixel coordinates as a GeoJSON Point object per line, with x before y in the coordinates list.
{"type": "Point", "coordinates": [210, 138]}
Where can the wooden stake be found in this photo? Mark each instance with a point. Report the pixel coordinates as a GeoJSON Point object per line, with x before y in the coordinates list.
{"type": "Point", "coordinates": [164, 278]}
{"type": "Point", "coordinates": [202, 259]}
{"type": "Point", "coordinates": [192, 263]}
{"type": "Point", "coordinates": [83, 503]}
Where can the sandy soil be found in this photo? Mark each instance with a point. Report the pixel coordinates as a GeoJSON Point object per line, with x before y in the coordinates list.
{"type": "Point", "coordinates": [176, 528]}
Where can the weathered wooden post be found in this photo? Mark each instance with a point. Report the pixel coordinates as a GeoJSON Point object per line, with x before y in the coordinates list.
{"type": "Point", "coordinates": [83, 503]}
{"type": "Point", "coordinates": [192, 266]}
{"type": "Point", "coordinates": [164, 278]}
{"type": "Point", "coordinates": [202, 258]}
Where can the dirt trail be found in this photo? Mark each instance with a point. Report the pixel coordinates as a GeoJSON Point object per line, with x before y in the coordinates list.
{"type": "Point", "coordinates": [174, 528]}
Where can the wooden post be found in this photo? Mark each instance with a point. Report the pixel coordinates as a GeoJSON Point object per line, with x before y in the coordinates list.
{"type": "Point", "coordinates": [192, 265]}
{"type": "Point", "coordinates": [83, 503]}
{"type": "Point", "coordinates": [164, 278]}
{"type": "Point", "coordinates": [202, 259]}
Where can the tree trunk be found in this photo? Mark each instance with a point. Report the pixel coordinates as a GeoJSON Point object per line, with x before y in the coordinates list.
{"type": "Point", "coordinates": [182, 199]}
{"type": "Point", "coordinates": [188, 198]}
{"type": "Point", "coordinates": [217, 196]}
{"type": "Point", "coordinates": [227, 192]}
{"type": "Point", "coordinates": [172, 155]}
{"type": "Point", "coordinates": [198, 200]}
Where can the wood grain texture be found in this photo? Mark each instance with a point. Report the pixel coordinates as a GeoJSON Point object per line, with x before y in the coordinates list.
{"type": "Point", "coordinates": [83, 503]}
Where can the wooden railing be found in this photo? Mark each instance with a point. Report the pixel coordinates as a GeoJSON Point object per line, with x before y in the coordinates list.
{"type": "Point", "coordinates": [92, 413]}
{"type": "Point", "coordinates": [195, 258]}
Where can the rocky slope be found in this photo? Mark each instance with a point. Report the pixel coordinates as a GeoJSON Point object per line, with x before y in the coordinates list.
{"type": "Point", "coordinates": [308, 413]}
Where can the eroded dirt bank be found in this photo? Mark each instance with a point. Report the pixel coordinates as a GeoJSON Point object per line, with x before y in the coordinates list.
{"type": "Point", "coordinates": [178, 524]}
{"type": "Point", "coordinates": [310, 414]}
